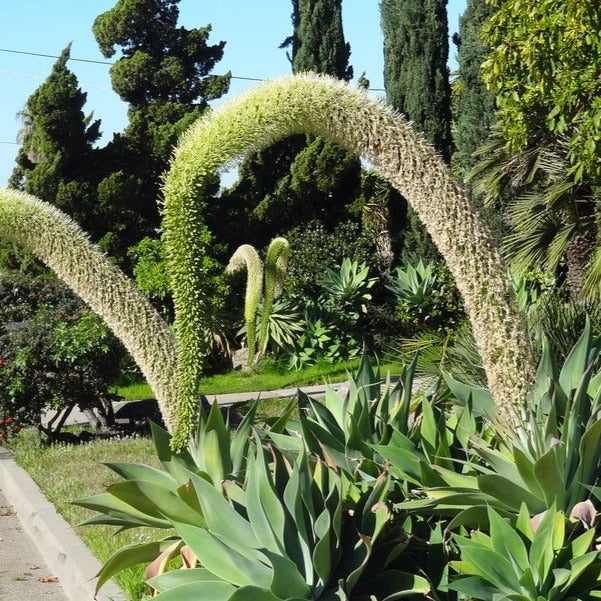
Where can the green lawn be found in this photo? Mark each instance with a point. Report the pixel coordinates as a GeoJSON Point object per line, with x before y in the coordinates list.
{"type": "Point", "coordinates": [66, 473]}
{"type": "Point", "coordinates": [270, 378]}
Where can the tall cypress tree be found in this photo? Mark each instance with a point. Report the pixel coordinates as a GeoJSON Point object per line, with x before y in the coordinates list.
{"type": "Point", "coordinates": [56, 161]}
{"type": "Point", "coordinates": [301, 178]}
{"type": "Point", "coordinates": [416, 78]}
{"type": "Point", "coordinates": [475, 107]}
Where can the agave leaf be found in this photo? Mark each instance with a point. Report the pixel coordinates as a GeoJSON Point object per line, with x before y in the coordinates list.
{"type": "Point", "coordinates": [428, 429]}
{"type": "Point", "coordinates": [199, 591]}
{"type": "Point", "coordinates": [500, 463]}
{"type": "Point", "coordinates": [594, 386]}
{"type": "Point", "coordinates": [577, 567]}
{"type": "Point", "coordinates": [407, 377]}
{"type": "Point", "coordinates": [525, 468]}
{"type": "Point", "coordinates": [492, 566]}
{"type": "Point", "coordinates": [265, 511]}
{"type": "Point", "coordinates": [139, 471]}
{"type": "Point", "coordinates": [174, 578]}
{"type": "Point", "coordinates": [234, 492]}
{"type": "Point", "coordinates": [253, 593]}
{"type": "Point", "coordinates": [588, 466]}
{"type": "Point", "coordinates": [475, 517]}
{"type": "Point", "coordinates": [509, 494]}
{"type": "Point", "coordinates": [507, 541]}
{"type": "Point", "coordinates": [110, 505]}
{"type": "Point", "coordinates": [549, 474]}
{"type": "Point", "coordinates": [280, 424]}
{"type": "Point", "coordinates": [154, 500]}
{"type": "Point", "coordinates": [322, 553]}
{"type": "Point", "coordinates": [541, 552]}
{"type": "Point", "coordinates": [240, 442]}
{"type": "Point", "coordinates": [393, 584]}
{"type": "Point", "coordinates": [581, 544]}
{"type": "Point", "coordinates": [323, 435]}
{"type": "Point", "coordinates": [577, 360]}
{"type": "Point", "coordinates": [300, 552]}
{"type": "Point", "coordinates": [325, 418]}
{"type": "Point", "coordinates": [230, 562]}
{"type": "Point", "coordinates": [474, 587]}
{"type": "Point", "coordinates": [220, 517]}
{"type": "Point", "coordinates": [128, 556]}
{"type": "Point", "coordinates": [524, 523]}
{"type": "Point", "coordinates": [215, 446]}
{"type": "Point", "coordinates": [287, 580]}
{"type": "Point", "coordinates": [178, 464]}
{"type": "Point", "coordinates": [480, 398]}
{"type": "Point", "coordinates": [403, 463]}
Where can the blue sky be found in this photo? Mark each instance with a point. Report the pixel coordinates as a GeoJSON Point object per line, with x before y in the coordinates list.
{"type": "Point", "coordinates": [253, 31]}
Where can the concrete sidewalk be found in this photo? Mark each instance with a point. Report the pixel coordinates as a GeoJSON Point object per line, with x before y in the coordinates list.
{"type": "Point", "coordinates": [41, 557]}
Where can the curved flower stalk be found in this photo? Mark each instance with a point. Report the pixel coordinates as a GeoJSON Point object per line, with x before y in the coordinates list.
{"type": "Point", "coordinates": [276, 263]}
{"type": "Point", "coordinates": [247, 257]}
{"type": "Point", "coordinates": [56, 240]}
{"type": "Point", "coordinates": [326, 107]}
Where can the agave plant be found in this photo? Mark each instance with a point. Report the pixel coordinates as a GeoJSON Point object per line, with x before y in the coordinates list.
{"type": "Point", "coordinates": [551, 562]}
{"type": "Point", "coordinates": [151, 497]}
{"type": "Point", "coordinates": [414, 285]}
{"type": "Point", "coordinates": [551, 458]}
{"type": "Point", "coordinates": [285, 536]}
{"type": "Point", "coordinates": [349, 285]}
{"type": "Point", "coordinates": [282, 531]}
{"type": "Point", "coordinates": [374, 425]}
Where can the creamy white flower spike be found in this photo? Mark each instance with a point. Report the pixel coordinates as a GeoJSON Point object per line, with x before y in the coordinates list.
{"type": "Point", "coordinates": [326, 107]}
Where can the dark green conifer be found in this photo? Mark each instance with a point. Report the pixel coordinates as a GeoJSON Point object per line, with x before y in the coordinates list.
{"type": "Point", "coordinates": [56, 160]}
{"type": "Point", "coordinates": [475, 105]}
{"type": "Point", "coordinates": [416, 78]}
{"type": "Point", "coordinates": [301, 178]}
{"type": "Point", "coordinates": [163, 75]}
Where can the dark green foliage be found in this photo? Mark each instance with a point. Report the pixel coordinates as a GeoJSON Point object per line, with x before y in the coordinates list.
{"type": "Point", "coordinates": [301, 178]}
{"type": "Point", "coordinates": [317, 42]}
{"type": "Point", "coordinates": [416, 79]}
{"type": "Point", "coordinates": [150, 271]}
{"type": "Point", "coordinates": [313, 249]}
{"type": "Point", "coordinates": [57, 160]}
{"type": "Point", "coordinates": [426, 299]}
{"type": "Point", "coordinates": [475, 104]}
{"type": "Point", "coordinates": [163, 74]}
{"type": "Point", "coordinates": [55, 352]}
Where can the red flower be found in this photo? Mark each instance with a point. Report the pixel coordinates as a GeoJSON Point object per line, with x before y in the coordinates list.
{"type": "Point", "coordinates": [16, 430]}
{"type": "Point", "coordinates": [8, 421]}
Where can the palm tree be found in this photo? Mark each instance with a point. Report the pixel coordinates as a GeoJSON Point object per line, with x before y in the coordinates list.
{"type": "Point", "coordinates": [551, 218]}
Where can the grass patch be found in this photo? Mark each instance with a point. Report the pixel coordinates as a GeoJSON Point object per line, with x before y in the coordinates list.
{"type": "Point", "coordinates": [66, 473]}
{"type": "Point", "coordinates": [268, 377]}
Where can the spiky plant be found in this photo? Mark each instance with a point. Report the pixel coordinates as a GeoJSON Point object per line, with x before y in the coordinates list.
{"type": "Point", "coordinates": [246, 257]}
{"type": "Point", "coordinates": [276, 263]}
{"type": "Point", "coordinates": [326, 107]}
{"type": "Point", "coordinates": [57, 241]}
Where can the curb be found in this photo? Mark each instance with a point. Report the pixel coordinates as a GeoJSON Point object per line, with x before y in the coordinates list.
{"type": "Point", "coordinates": [64, 552]}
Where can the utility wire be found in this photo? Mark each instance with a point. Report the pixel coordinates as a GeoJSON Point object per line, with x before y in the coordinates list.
{"type": "Point", "coordinates": [85, 60]}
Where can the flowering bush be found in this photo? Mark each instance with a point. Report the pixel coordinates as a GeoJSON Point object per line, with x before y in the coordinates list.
{"type": "Point", "coordinates": [8, 429]}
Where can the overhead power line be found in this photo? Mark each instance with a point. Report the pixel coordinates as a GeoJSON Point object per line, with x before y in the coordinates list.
{"type": "Point", "coordinates": [86, 60]}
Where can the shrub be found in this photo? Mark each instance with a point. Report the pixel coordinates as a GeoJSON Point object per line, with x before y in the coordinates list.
{"type": "Point", "coordinates": [56, 354]}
